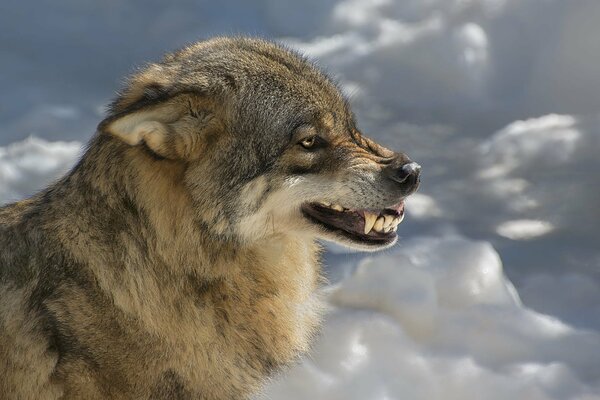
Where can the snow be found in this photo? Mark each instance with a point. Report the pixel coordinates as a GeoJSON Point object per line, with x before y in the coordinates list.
{"type": "Point", "coordinates": [494, 288]}
{"type": "Point", "coordinates": [437, 319]}
{"type": "Point", "coordinates": [524, 228]}
{"type": "Point", "coordinates": [32, 163]}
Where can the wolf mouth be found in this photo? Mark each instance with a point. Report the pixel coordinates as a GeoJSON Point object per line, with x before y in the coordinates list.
{"type": "Point", "coordinates": [368, 226]}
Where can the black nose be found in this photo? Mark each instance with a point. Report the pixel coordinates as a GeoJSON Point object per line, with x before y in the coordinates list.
{"type": "Point", "coordinates": [406, 174]}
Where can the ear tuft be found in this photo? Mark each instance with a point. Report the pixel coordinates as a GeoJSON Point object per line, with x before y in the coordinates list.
{"type": "Point", "coordinates": [151, 127]}
{"type": "Point", "coordinates": [174, 129]}
{"type": "Point", "coordinates": [153, 133]}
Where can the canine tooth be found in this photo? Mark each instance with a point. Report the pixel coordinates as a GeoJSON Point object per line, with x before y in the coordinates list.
{"type": "Point", "coordinates": [388, 220]}
{"type": "Point", "coordinates": [397, 221]}
{"type": "Point", "coordinates": [370, 219]}
{"type": "Point", "coordinates": [379, 224]}
{"type": "Point", "coordinates": [337, 207]}
{"type": "Point", "coordinates": [395, 228]}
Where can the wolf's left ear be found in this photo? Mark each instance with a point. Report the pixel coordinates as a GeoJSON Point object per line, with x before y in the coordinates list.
{"type": "Point", "coordinates": [172, 128]}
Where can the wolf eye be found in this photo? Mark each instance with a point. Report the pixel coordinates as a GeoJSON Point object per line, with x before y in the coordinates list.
{"type": "Point", "coordinates": [308, 142]}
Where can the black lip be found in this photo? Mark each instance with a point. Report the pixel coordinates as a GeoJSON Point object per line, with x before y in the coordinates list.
{"type": "Point", "coordinates": [348, 223]}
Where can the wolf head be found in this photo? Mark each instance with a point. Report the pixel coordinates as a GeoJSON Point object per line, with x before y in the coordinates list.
{"type": "Point", "coordinates": [268, 143]}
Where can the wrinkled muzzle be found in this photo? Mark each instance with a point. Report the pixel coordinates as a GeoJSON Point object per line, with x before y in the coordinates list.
{"type": "Point", "coordinates": [368, 215]}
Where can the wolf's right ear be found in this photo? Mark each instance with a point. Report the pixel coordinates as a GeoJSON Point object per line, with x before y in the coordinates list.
{"type": "Point", "coordinates": [172, 129]}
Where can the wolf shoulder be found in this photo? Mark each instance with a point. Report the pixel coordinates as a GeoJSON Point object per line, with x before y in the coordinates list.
{"type": "Point", "coordinates": [21, 240]}
{"type": "Point", "coordinates": [25, 354]}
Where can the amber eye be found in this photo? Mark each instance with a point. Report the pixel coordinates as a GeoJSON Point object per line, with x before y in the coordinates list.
{"type": "Point", "coordinates": [308, 143]}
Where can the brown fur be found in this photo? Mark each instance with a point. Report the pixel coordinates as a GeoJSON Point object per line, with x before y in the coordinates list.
{"type": "Point", "coordinates": [172, 262]}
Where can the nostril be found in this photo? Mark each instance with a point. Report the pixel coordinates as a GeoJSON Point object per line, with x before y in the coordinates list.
{"type": "Point", "coordinates": [412, 169]}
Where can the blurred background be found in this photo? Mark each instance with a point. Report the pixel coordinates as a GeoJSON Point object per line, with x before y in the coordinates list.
{"type": "Point", "coordinates": [493, 291]}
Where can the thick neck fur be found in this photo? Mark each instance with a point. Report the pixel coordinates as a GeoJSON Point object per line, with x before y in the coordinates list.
{"type": "Point", "coordinates": [140, 203]}
{"type": "Point", "coordinates": [131, 221]}
{"type": "Point", "coordinates": [133, 294]}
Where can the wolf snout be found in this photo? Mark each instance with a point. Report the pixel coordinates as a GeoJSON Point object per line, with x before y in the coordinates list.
{"type": "Point", "coordinates": [406, 173]}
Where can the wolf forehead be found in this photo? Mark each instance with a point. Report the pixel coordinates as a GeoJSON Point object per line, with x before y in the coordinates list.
{"type": "Point", "coordinates": [251, 77]}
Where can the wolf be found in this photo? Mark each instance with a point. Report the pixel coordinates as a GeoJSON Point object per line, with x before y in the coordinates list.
{"type": "Point", "coordinates": [179, 258]}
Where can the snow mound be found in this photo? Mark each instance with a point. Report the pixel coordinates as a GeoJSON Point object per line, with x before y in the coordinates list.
{"type": "Point", "coordinates": [437, 319]}
{"type": "Point", "coordinates": [537, 167]}
{"type": "Point", "coordinates": [29, 165]}
{"type": "Point", "coordinates": [448, 60]}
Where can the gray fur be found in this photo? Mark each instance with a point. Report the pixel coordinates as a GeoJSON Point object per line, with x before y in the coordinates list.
{"type": "Point", "coordinates": [173, 260]}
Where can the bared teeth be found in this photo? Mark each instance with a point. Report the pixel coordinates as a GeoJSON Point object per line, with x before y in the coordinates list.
{"type": "Point", "coordinates": [388, 221]}
{"type": "Point", "coordinates": [370, 220]}
{"type": "Point", "coordinates": [379, 224]}
{"type": "Point", "coordinates": [373, 222]}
